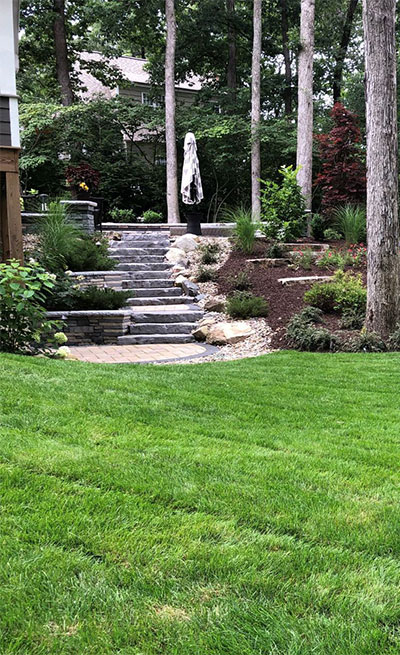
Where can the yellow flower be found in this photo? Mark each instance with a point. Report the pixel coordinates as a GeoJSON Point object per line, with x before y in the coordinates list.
{"type": "Point", "coordinates": [84, 186]}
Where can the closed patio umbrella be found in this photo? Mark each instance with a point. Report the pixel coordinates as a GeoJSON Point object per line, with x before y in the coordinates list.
{"type": "Point", "coordinates": [191, 187]}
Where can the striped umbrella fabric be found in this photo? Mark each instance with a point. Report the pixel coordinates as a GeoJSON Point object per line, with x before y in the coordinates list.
{"type": "Point", "coordinates": [191, 187]}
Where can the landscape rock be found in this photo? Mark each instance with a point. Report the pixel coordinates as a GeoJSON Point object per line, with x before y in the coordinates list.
{"type": "Point", "coordinates": [177, 256]}
{"type": "Point", "coordinates": [180, 279]}
{"type": "Point", "coordinates": [221, 334]}
{"type": "Point", "coordinates": [201, 333]}
{"type": "Point", "coordinates": [186, 242]}
{"type": "Point", "coordinates": [214, 305]}
{"type": "Point", "coordinates": [190, 288]}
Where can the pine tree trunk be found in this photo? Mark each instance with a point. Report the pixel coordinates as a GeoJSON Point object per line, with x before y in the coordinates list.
{"type": "Point", "coordinates": [61, 50]}
{"type": "Point", "coordinates": [383, 304]}
{"type": "Point", "coordinates": [344, 44]}
{"type": "Point", "coordinates": [287, 94]}
{"type": "Point", "coordinates": [232, 51]}
{"type": "Point", "coordinates": [170, 108]}
{"type": "Point", "coordinates": [256, 112]}
{"type": "Point", "coordinates": [305, 100]}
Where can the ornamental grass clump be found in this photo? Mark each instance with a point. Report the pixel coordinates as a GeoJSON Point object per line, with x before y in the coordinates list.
{"type": "Point", "coordinates": [244, 235]}
{"type": "Point", "coordinates": [24, 327]}
{"type": "Point", "coordinates": [243, 304]}
{"type": "Point", "coordinates": [351, 221]}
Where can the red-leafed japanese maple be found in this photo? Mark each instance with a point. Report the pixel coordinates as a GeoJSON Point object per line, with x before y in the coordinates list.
{"type": "Point", "coordinates": [342, 176]}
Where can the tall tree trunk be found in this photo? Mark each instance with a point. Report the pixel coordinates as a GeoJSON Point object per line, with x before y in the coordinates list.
{"type": "Point", "coordinates": [305, 101]}
{"type": "Point", "coordinates": [383, 280]}
{"type": "Point", "coordinates": [232, 50]}
{"type": "Point", "coordinates": [61, 50]}
{"type": "Point", "coordinates": [256, 111]}
{"type": "Point", "coordinates": [344, 44]}
{"type": "Point", "coordinates": [287, 94]}
{"type": "Point", "coordinates": [170, 110]}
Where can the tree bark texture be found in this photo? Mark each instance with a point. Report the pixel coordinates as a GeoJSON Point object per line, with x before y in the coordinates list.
{"type": "Point", "coordinates": [344, 44]}
{"type": "Point", "coordinates": [383, 303]}
{"type": "Point", "coordinates": [170, 110]}
{"type": "Point", "coordinates": [256, 111]}
{"type": "Point", "coordinates": [305, 100]}
{"type": "Point", "coordinates": [61, 51]}
{"type": "Point", "coordinates": [287, 94]}
{"type": "Point", "coordinates": [232, 50]}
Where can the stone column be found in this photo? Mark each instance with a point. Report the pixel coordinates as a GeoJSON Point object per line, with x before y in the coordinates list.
{"type": "Point", "coordinates": [82, 213]}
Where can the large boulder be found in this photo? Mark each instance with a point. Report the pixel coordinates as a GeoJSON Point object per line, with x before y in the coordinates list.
{"type": "Point", "coordinates": [187, 242]}
{"type": "Point", "coordinates": [201, 333]}
{"type": "Point", "coordinates": [221, 334]}
{"type": "Point", "coordinates": [190, 288]}
{"type": "Point", "coordinates": [177, 256]}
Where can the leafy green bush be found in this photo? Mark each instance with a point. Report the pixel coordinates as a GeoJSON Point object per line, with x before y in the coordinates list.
{"type": "Point", "coordinates": [317, 227]}
{"type": "Point", "coordinates": [368, 342]}
{"type": "Point", "coordinates": [151, 216]}
{"type": "Point", "coordinates": [352, 319]}
{"type": "Point", "coordinates": [92, 298]}
{"type": "Point", "coordinates": [58, 236]}
{"type": "Point", "coordinates": [209, 253]}
{"type": "Point", "coordinates": [303, 259]}
{"type": "Point", "coordinates": [302, 334]}
{"type": "Point", "coordinates": [346, 291]}
{"type": "Point", "coordinates": [331, 235]}
{"type": "Point", "coordinates": [241, 281]}
{"type": "Point", "coordinates": [245, 229]}
{"type": "Point", "coordinates": [282, 207]}
{"type": "Point", "coordinates": [90, 253]}
{"type": "Point", "coordinates": [350, 220]}
{"type": "Point", "coordinates": [274, 251]}
{"type": "Point", "coordinates": [205, 274]}
{"type": "Point", "coordinates": [23, 324]}
{"type": "Point", "coordinates": [122, 216]}
{"type": "Point", "coordinates": [394, 339]}
{"type": "Point", "coordinates": [243, 304]}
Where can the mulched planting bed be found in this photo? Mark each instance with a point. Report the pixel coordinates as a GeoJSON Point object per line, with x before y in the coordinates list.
{"type": "Point", "coordinates": [284, 301]}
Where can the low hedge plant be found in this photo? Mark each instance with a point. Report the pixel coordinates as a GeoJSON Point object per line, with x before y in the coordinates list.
{"type": "Point", "coordinates": [243, 304]}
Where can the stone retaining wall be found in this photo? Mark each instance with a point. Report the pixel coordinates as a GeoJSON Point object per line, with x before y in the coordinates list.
{"type": "Point", "coordinates": [101, 279]}
{"type": "Point", "coordinates": [93, 327]}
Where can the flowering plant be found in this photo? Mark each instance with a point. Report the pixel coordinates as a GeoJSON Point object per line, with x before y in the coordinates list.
{"type": "Point", "coordinates": [342, 258]}
{"type": "Point", "coordinates": [83, 176]}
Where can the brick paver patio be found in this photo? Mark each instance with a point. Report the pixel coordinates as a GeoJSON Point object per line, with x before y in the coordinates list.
{"type": "Point", "coordinates": [137, 354]}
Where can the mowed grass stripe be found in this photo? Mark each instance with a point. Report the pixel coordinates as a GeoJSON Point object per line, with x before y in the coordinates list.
{"type": "Point", "coordinates": [247, 506]}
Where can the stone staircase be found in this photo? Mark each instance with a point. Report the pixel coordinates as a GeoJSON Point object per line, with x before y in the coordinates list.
{"type": "Point", "coordinates": [160, 311]}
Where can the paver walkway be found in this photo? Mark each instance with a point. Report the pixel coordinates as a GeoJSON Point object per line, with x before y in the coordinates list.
{"type": "Point", "coordinates": [137, 354]}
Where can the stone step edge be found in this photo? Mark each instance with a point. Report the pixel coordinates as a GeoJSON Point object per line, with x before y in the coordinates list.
{"type": "Point", "coordinates": [288, 281]}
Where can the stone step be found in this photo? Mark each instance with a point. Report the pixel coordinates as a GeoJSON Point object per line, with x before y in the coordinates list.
{"type": "Point", "coordinates": [290, 281]}
{"type": "Point", "coordinates": [162, 328]}
{"type": "Point", "coordinates": [141, 274]}
{"type": "Point", "coordinates": [158, 292]}
{"type": "Point", "coordinates": [137, 259]}
{"type": "Point", "coordinates": [142, 339]}
{"type": "Point", "coordinates": [156, 283]}
{"type": "Point", "coordinates": [316, 247]}
{"type": "Point", "coordinates": [136, 252]}
{"type": "Point", "coordinates": [144, 243]}
{"type": "Point", "coordinates": [167, 316]}
{"type": "Point", "coordinates": [163, 300]}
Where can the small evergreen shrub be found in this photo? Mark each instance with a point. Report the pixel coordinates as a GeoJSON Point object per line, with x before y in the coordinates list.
{"type": "Point", "coordinates": [92, 298]}
{"type": "Point", "coordinates": [90, 253]}
{"type": "Point", "coordinates": [122, 216]}
{"type": "Point", "coordinates": [302, 334]}
{"type": "Point", "coordinates": [368, 342]}
{"type": "Point", "coordinates": [332, 235]}
{"type": "Point", "coordinates": [282, 207]}
{"type": "Point", "coordinates": [206, 274]}
{"type": "Point", "coordinates": [346, 291]}
{"type": "Point", "coordinates": [209, 253]}
{"type": "Point", "coordinates": [243, 304]}
{"type": "Point", "coordinates": [241, 281]}
{"type": "Point", "coordinates": [394, 340]}
{"type": "Point", "coordinates": [151, 216]}
{"type": "Point", "coordinates": [352, 319]}
{"type": "Point", "coordinates": [274, 251]}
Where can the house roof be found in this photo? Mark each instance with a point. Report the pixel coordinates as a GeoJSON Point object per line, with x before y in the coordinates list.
{"type": "Point", "coordinates": [133, 70]}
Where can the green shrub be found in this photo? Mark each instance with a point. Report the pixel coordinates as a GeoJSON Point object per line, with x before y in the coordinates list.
{"type": "Point", "coordinates": [90, 253]}
{"type": "Point", "coordinates": [350, 220]}
{"type": "Point", "coordinates": [343, 258]}
{"type": "Point", "coordinates": [346, 291]}
{"type": "Point", "coordinates": [151, 216]}
{"type": "Point", "coordinates": [303, 259]}
{"type": "Point", "coordinates": [243, 304]}
{"type": "Point", "coordinates": [23, 324]}
{"type": "Point", "coordinates": [209, 253]}
{"type": "Point", "coordinates": [302, 334]}
{"type": "Point", "coordinates": [282, 207]}
{"type": "Point", "coordinates": [394, 339]}
{"type": "Point", "coordinates": [352, 319]}
{"type": "Point", "coordinates": [205, 274]}
{"type": "Point", "coordinates": [245, 229]}
{"type": "Point", "coordinates": [122, 216]}
{"type": "Point", "coordinates": [274, 251]}
{"type": "Point", "coordinates": [317, 227]}
{"type": "Point", "coordinates": [368, 342]}
{"type": "Point", "coordinates": [241, 281]}
{"type": "Point", "coordinates": [331, 235]}
{"type": "Point", "coordinates": [92, 298]}
{"type": "Point", "coordinates": [58, 236]}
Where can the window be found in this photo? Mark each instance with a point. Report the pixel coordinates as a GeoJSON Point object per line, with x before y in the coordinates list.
{"type": "Point", "coordinates": [5, 124]}
{"type": "Point", "coordinates": [153, 101]}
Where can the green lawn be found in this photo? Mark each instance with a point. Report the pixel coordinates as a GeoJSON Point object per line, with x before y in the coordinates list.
{"type": "Point", "coordinates": [246, 508]}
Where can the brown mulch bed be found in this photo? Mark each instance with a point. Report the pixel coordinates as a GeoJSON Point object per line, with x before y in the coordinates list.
{"type": "Point", "coordinates": [283, 302]}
